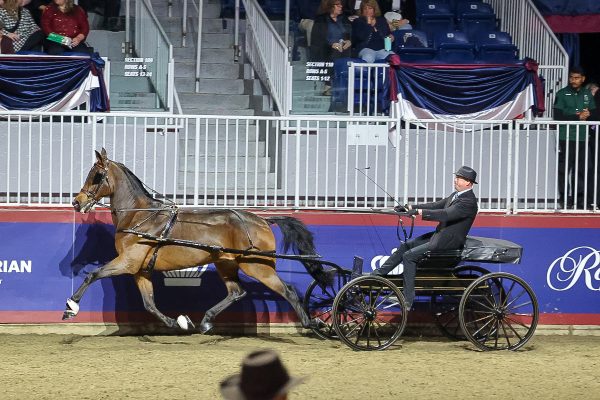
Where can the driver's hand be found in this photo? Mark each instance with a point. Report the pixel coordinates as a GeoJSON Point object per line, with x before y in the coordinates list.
{"type": "Point", "coordinates": [413, 212]}
{"type": "Point", "coordinates": [401, 208]}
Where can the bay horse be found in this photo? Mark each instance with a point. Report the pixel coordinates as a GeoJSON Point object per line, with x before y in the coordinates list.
{"type": "Point", "coordinates": [248, 236]}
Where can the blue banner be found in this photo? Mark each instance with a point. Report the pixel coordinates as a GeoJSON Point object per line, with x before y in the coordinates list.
{"type": "Point", "coordinates": [49, 83]}
{"type": "Point", "coordinates": [467, 91]}
{"type": "Point", "coordinates": [43, 263]}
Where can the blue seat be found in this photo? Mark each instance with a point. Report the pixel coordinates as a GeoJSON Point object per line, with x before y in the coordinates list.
{"type": "Point", "coordinates": [496, 47]}
{"type": "Point", "coordinates": [454, 48]}
{"type": "Point", "coordinates": [433, 17]}
{"type": "Point", "coordinates": [412, 46]}
{"type": "Point", "coordinates": [339, 96]}
{"type": "Point", "coordinates": [475, 17]}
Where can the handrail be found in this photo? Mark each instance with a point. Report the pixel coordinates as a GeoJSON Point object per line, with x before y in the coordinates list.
{"type": "Point", "coordinates": [534, 38]}
{"type": "Point", "coordinates": [268, 54]}
{"type": "Point", "coordinates": [151, 42]}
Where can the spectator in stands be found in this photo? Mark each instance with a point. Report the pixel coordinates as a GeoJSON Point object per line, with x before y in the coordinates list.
{"type": "Point", "coordinates": [396, 22]}
{"type": "Point", "coordinates": [369, 33]}
{"type": "Point", "coordinates": [263, 376]}
{"type": "Point", "coordinates": [67, 19]}
{"type": "Point", "coordinates": [573, 103]}
{"type": "Point", "coordinates": [36, 8]}
{"type": "Point", "coordinates": [331, 36]}
{"type": "Point", "coordinates": [19, 28]}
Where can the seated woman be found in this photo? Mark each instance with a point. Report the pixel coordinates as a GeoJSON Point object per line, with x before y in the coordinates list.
{"type": "Point", "coordinates": [369, 31]}
{"type": "Point", "coordinates": [18, 26]}
{"type": "Point", "coordinates": [330, 36]}
{"type": "Point", "coordinates": [64, 18]}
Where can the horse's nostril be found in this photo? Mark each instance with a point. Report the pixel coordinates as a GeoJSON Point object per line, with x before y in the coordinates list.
{"type": "Point", "coordinates": [75, 204]}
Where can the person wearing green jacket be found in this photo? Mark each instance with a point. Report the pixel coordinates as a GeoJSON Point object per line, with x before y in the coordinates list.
{"type": "Point", "coordinates": [573, 103]}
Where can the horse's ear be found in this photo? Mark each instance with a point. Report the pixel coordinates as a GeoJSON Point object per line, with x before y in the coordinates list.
{"type": "Point", "coordinates": [102, 157]}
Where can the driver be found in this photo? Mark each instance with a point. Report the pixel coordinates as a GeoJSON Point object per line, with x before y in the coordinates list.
{"type": "Point", "coordinates": [455, 215]}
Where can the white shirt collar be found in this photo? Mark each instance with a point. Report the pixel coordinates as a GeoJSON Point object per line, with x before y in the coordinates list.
{"type": "Point", "coordinates": [464, 191]}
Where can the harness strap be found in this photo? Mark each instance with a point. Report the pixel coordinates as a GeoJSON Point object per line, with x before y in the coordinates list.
{"type": "Point", "coordinates": [163, 235]}
{"type": "Point", "coordinates": [252, 246]}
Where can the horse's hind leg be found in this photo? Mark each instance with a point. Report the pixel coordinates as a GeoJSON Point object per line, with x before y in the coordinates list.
{"type": "Point", "coordinates": [144, 284]}
{"type": "Point", "coordinates": [112, 268]}
{"type": "Point", "coordinates": [265, 273]}
{"type": "Point", "coordinates": [228, 271]}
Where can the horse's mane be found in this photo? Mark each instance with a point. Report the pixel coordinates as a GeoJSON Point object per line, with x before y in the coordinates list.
{"type": "Point", "coordinates": [138, 185]}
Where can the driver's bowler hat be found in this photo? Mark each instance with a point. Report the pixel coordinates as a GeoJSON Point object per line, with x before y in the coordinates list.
{"type": "Point", "coordinates": [262, 377]}
{"type": "Point", "coordinates": [468, 173]}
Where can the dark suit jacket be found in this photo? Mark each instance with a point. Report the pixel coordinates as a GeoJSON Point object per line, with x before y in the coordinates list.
{"type": "Point", "coordinates": [455, 220]}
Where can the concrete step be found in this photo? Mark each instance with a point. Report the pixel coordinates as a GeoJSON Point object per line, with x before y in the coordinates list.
{"type": "Point", "coordinates": [227, 70]}
{"type": "Point", "coordinates": [228, 164]}
{"type": "Point", "coordinates": [131, 100]}
{"type": "Point", "coordinates": [209, 40]}
{"type": "Point", "coordinates": [229, 180]}
{"type": "Point", "coordinates": [130, 83]}
{"type": "Point", "coordinates": [216, 86]}
{"type": "Point", "coordinates": [221, 142]}
{"type": "Point", "coordinates": [209, 102]}
{"type": "Point", "coordinates": [210, 10]}
{"type": "Point", "coordinates": [191, 109]}
{"type": "Point", "coordinates": [209, 56]}
{"type": "Point", "coordinates": [310, 104]}
{"type": "Point", "coordinates": [221, 25]}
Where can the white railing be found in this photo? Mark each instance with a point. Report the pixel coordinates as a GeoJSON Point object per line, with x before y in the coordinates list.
{"type": "Point", "coordinates": [268, 55]}
{"type": "Point", "coordinates": [366, 88]}
{"type": "Point", "coordinates": [548, 167]}
{"type": "Point", "coordinates": [304, 162]}
{"type": "Point", "coordinates": [153, 45]}
{"type": "Point", "coordinates": [535, 39]}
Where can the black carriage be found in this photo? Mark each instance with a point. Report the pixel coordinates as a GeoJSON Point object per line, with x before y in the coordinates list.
{"type": "Point", "coordinates": [493, 310]}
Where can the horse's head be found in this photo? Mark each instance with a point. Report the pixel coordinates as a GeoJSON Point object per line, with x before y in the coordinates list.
{"type": "Point", "coordinates": [96, 185]}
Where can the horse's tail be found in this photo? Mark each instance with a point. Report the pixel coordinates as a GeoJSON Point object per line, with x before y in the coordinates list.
{"type": "Point", "coordinates": [297, 236]}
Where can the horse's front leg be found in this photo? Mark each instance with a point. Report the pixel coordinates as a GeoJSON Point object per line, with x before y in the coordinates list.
{"type": "Point", "coordinates": [144, 284]}
{"type": "Point", "coordinates": [118, 266]}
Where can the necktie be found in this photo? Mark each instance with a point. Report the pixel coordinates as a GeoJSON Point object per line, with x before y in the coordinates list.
{"type": "Point", "coordinates": [454, 197]}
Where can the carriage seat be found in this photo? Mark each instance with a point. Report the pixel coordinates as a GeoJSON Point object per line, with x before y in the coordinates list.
{"type": "Point", "coordinates": [442, 259]}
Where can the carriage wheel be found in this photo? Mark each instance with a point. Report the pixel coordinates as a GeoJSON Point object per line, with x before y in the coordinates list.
{"type": "Point", "coordinates": [444, 306]}
{"type": "Point", "coordinates": [318, 302]}
{"type": "Point", "coordinates": [369, 313]}
{"type": "Point", "coordinates": [499, 311]}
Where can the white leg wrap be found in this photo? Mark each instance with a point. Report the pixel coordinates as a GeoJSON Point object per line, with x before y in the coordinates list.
{"type": "Point", "coordinates": [184, 322]}
{"type": "Point", "coordinates": [73, 306]}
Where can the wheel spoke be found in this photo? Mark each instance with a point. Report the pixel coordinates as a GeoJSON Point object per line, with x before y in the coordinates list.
{"type": "Point", "coordinates": [385, 299]}
{"type": "Point", "coordinates": [505, 334]}
{"type": "Point", "coordinates": [518, 322]}
{"type": "Point", "coordinates": [491, 319]}
{"type": "Point", "coordinates": [323, 313]}
{"type": "Point", "coordinates": [483, 305]}
{"type": "Point", "coordinates": [361, 331]}
{"type": "Point", "coordinates": [520, 305]}
{"type": "Point", "coordinates": [508, 293]}
{"type": "Point", "coordinates": [517, 298]}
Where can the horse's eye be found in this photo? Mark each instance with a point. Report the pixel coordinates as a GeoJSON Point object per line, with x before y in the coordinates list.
{"type": "Point", "coordinates": [97, 178]}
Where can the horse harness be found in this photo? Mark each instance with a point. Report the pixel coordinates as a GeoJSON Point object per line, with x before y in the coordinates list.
{"type": "Point", "coordinates": [103, 179]}
{"type": "Point", "coordinates": [163, 238]}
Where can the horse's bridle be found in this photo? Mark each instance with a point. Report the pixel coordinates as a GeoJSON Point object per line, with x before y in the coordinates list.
{"type": "Point", "coordinates": [103, 171]}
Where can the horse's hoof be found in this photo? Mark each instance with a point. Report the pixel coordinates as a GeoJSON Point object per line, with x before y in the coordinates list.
{"type": "Point", "coordinates": [185, 322]}
{"type": "Point", "coordinates": [205, 327]}
{"type": "Point", "coordinates": [71, 310]}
